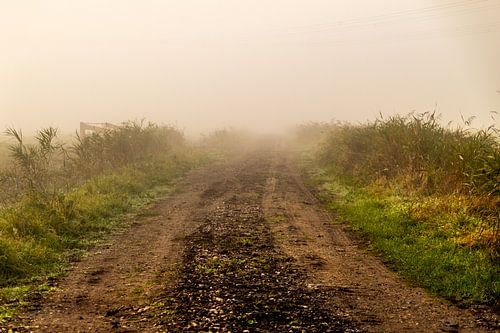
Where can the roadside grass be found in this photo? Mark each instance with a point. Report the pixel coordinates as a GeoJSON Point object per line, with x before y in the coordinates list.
{"type": "Point", "coordinates": [17, 297]}
{"type": "Point", "coordinates": [39, 237]}
{"type": "Point", "coordinates": [59, 201]}
{"type": "Point", "coordinates": [429, 251]}
{"type": "Point", "coordinates": [426, 197]}
{"type": "Point", "coordinates": [224, 143]}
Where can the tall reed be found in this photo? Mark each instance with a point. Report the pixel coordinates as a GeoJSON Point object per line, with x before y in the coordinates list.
{"type": "Point", "coordinates": [417, 152]}
{"type": "Point", "coordinates": [415, 155]}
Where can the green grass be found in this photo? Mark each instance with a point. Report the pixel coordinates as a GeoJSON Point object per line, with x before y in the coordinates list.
{"type": "Point", "coordinates": [38, 236]}
{"type": "Point", "coordinates": [246, 242]}
{"type": "Point", "coordinates": [426, 251]}
{"type": "Point", "coordinates": [425, 196]}
{"type": "Point", "coordinates": [60, 198]}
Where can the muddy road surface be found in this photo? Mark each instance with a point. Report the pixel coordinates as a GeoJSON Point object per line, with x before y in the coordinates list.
{"type": "Point", "coordinates": [240, 246]}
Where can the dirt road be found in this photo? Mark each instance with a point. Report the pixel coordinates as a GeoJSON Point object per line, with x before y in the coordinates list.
{"type": "Point", "coordinates": [241, 246]}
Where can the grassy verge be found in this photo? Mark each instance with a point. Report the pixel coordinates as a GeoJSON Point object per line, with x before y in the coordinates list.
{"type": "Point", "coordinates": [40, 235]}
{"type": "Point", "coordinates": [426, 196]}
{"type": "Point", "coordinates": [420, 237]}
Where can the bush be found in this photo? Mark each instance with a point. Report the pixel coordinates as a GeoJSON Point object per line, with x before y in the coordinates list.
{"type": "Point", "coordinates": [418, 153]}
{"type": "Point", "coordinates": [132, 143]}
{"type": "Point", "coordinates": [62, 195]}
{"type": "Point", "coordinates": [414, 155]}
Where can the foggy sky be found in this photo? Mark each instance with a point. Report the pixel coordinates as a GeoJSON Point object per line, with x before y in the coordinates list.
{"type": "Point", "coordinates": [261, 64]}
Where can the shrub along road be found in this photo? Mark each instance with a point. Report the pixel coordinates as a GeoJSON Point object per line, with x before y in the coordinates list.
{"type": "Point", "coordinates": [240, 246]}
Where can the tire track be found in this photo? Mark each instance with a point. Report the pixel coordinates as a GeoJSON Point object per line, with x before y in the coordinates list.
{"type": "Point", "coordinates": [368, 293]}
{"type": "Point", "coordinates": [234, 278]}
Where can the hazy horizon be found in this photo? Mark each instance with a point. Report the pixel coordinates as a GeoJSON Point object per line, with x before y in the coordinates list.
{"type": "Point", "coordinates": [256, 65]}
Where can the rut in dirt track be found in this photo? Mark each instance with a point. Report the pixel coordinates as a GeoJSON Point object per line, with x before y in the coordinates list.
{"type": "Point", "coordinates": [235, 278]}
{"type": "Point", "coordinates": [241, 246]}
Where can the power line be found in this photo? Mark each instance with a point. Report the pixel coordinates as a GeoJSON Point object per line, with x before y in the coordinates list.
{"type": "Point", "coordinates": [385, 24]}
{"type": "Point", "coordinates": [385, 20]}
{"type": "Point", "coordinates": [459, 31]}
{"type": "Point", "coordinates": [403, 14]}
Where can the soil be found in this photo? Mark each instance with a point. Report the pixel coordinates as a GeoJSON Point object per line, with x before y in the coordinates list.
{"type": "Point", "coordinates": [241, 246]}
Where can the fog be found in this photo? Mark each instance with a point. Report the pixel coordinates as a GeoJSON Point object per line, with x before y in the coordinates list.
{"type": "Point", "coordinates": [260, 65]}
